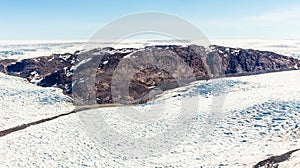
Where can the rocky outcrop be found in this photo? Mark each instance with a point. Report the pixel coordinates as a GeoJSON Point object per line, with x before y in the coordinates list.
{"type": "Point", "coordinates": [244, 62]}
{"type": "Point", "coordinates": [5, 63]}
{"type": "Point", "coordinates": [44, 71]}
{"type": "Point", "coordinates": [131, 75]}
{"type": "Point", "coordinates": [273, 161]}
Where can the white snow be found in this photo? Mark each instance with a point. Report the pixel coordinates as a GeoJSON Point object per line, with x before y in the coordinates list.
{"type": "Point", "coordinates": [80, 63]}
{"type": "Point", "coordinates": [260, 118]}
{"type": "Point", "coordinates": [36, 77]}
{"type": "Point", "coordinates": [128, 56]}
{"type": "Point", "coordinates": [21, 101]}
{"type": "Point", "coordinates": [65, 142]}
{"type": "Point", "coordinates": [105, 62]}
{"type": "Point", "coordinates": [30, 49]}
{"type": "Point", "coordinates": [285, 47]}
{"type": "Point", "coordinates": [220, 51]}
{"type": "Point", "coordinates": [33, 73]}
{"type": "Point", "coordinates": [65, 57]}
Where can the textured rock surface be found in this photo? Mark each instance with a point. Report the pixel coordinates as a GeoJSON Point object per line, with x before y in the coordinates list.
{"type": "Point", "coordinates": [274, 161]}
{"type": "Point", "coordinates": [145, 71]}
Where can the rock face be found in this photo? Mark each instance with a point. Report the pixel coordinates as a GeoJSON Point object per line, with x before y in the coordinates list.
{"type": "Point", "coordinates": [44, 71]}
{"type": "Point", "coordinates": [274, 161]}
{"type": "Point", "coordinates": [135, 75]}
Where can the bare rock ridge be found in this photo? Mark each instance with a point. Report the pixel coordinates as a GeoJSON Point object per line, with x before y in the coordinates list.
{"type": "Point", "coordinates": [273, 161]}
{"type": "Point", "coordinates": [144, 72]}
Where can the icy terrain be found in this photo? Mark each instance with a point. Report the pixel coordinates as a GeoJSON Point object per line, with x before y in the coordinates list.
{"type": "Point", "coordinates": [21, 101]}
{"type": "Point", "coordinates": [284, 47]}
{"type": "Point", "coordinates": [30, 49]}
{"type": "Point", "coordinates": [259, 118]}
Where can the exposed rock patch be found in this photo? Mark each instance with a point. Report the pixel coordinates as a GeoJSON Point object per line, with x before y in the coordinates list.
{"type": "Point", "coordinates": [169, 67]}
{"type": "Point", "coordinates": [273, 161]}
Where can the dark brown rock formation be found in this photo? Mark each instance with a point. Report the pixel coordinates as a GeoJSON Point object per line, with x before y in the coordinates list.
{"type": "Point", "coordinates": [135, 75]}
{"type": "Point", "coordinates": [273, 161]}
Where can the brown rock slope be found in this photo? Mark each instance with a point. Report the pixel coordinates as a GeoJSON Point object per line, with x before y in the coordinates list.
{"type": "Point", "coordinates": [134, 75]}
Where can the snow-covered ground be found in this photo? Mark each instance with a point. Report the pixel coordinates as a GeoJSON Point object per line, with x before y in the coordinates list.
{"type": "Point", "coordinates": [258, 117]}
{"type": "Point", "coordinates": [21, 102]}
{"type": "Point", "coordinates": [284, 47]}
{"type": "Point", "coordinates": [30, 49]}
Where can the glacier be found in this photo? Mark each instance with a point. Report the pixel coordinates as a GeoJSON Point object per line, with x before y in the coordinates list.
{"type": "Point", "coordinates": [259, 118]}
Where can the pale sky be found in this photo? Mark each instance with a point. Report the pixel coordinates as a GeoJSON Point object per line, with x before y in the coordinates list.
{"type": "Point", "coordinates": [79, 19]}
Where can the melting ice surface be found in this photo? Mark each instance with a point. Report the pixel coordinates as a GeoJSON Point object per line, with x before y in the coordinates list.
{"type": "Point", "coordinates": [22, 102]}
{"type": "Point", "coordinates": [259, 118]}
{"type": "Point", "coordinates": [30, 49]}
